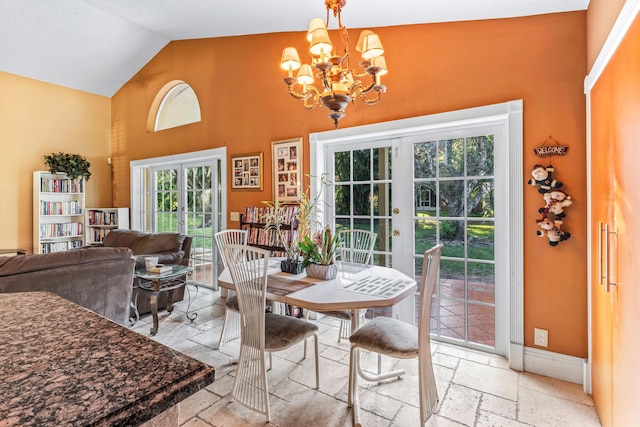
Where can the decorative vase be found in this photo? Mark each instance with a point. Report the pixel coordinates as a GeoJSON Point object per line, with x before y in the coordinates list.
{"type": "Point", "coordinates": [319, 271]}
{"type": "Point", "coordinates": [291, 266]}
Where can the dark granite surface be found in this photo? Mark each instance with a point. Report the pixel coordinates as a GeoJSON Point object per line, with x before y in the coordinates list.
{"type": "Point", "coordinates": [61, 364]}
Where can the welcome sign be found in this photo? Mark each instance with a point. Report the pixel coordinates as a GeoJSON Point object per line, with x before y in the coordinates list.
{"type": "Point", "coordinates": [551, 150]}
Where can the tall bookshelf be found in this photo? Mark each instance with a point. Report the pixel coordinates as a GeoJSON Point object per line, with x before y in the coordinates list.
{"type": "Point", "coordinates": [58, 212]}
{"type": "Point", "coordinates": [99, 221]}
{"type": "Point", "coordinates": [253, 220]}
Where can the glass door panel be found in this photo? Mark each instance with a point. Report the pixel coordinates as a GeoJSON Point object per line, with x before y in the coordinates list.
{"type": "Point", "coordinates": [201, 220]}
{"type": "Point", "coordinates": [453, 191]}
{"type": "Point", "coordinates": [187, 201]}
{"type": "Point", "coordinates": [166, 197]}
{"type": "Point", "coordinates": [362, 198]}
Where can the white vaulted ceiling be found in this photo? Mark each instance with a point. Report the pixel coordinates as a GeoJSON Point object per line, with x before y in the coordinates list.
{"type": "Point", "coordinates": [98, 45]}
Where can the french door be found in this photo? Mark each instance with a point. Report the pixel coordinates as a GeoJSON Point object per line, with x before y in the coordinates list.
{"type": "Point", "coordinates": [184, 195]}
{"type": "Point", "coordinates": [419, 190]}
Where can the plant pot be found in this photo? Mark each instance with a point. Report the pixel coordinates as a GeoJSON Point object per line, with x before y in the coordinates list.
{"type": "Point", "coordinates": [319, 271]}
{"type": "Point", "coordinates": [291, 266]}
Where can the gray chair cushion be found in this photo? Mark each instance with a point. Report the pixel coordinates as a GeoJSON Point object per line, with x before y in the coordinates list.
{"type": "Point", "coordinates": [281, 332]}
{"type": "Point", "coordinates": [388, 336]}
{"type": "Point", "coordinates": [231, 303]}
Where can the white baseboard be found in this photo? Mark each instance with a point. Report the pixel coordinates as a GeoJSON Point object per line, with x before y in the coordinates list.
{"type": "Point", "coordinates": [555, 365]}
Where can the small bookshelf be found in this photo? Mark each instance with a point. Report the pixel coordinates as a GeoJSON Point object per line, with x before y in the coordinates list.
{"type": "Point", "coordinates": [253, 219]}
{"type": "Point", "coordinates": [99, 221]}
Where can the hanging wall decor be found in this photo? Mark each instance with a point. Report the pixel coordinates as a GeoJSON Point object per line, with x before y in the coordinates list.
{"type": "Point", "coordinates": [554, 199]}
{"type": "Point", "coordinates": [551, 150]}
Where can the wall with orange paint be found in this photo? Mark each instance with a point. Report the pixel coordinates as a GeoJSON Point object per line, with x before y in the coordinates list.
{"type": "Point", "coordinates": [36, 119]}
{"type": "Point", "coordinates": [433, 68]}
{"type": "Point", "coordinates": [601, 16]}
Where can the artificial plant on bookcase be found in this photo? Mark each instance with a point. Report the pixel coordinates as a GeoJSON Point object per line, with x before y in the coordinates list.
{"type": "Point", "coordinates": [74, 165]}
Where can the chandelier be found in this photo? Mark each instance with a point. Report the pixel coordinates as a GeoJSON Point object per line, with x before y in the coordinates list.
{"type": "Point", "coordinates": [340, 84]}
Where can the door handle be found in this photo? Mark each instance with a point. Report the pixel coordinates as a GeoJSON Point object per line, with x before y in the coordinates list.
{"type": "Point", "coordinates": [396, 232]}
{"type": "Point", "coordinates": [600, 254]}
{"type": "Point", "coordinates": [608, 246]}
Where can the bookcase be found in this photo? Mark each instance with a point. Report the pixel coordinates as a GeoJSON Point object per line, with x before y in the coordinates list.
{"type": "Point", "coordinates": [58, 212]}
{"type": "Point", "coordinates": [99, 221]}
{"type": "Point", "coordinates": [253, 219]}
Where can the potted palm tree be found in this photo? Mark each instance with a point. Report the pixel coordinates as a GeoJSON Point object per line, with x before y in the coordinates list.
{"type": "Point", "coordinates": [74, 165]}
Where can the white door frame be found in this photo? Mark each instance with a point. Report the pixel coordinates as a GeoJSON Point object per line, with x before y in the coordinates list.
{"type": "Point", "coordinates": [510, 113]}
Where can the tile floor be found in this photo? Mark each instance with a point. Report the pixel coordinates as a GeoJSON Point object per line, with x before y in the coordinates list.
{"type": "Point", "coordinates": [476, 389]}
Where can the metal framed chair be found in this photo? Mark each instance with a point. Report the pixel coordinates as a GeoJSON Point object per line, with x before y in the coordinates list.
{"type": "Point", "coordinates": [231, 325]}
{"type": "Point", "coordinates": [398, 339]}
{"type": "Point", "coordinates": [356, 247]}
{"type": "Point", "coordinates": [260, 332]}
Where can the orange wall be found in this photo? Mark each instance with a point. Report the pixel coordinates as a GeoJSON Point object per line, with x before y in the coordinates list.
{"type": "Point", "coordinates": [433, 68]}
{"type": "Point", "coordinates": [36, 119]}
{"type": "Point", "coordinates": [601, 16]}
{"type": "Point", "coordinates": [615, 131]}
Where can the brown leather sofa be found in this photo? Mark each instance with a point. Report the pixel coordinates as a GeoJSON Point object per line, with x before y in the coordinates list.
{"type": "Point", "coordinates": [98, 279]}
{"type": "Point", "coordinates": [170, 248]}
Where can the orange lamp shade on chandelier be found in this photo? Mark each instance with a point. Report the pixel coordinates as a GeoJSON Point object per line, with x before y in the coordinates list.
{"type": "Point", "coordinates": [340, 84]}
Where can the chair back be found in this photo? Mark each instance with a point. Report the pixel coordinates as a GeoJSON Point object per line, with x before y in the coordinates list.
{"type": "Point", "coordinates": [428, 391]}
{"type": "Point", "coordinates": [229, 237]}
{"type": "Point", "coordinates": [430, 269]}
{"type": "Point", "coordinates": [248, 268]}
{"type": "Point", "coordinates": [356, 246]}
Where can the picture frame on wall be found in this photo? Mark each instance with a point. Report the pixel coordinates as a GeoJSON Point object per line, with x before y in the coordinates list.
{"type": "Point", "coordinates": [287, 169]}
{"type": "Point", "coordinates": [247, 172]}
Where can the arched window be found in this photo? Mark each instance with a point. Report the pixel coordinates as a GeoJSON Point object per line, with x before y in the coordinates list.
{"type": "Point", "coordinates": [176, 104]}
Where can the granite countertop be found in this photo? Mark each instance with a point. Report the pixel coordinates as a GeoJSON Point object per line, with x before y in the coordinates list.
{"type": "Point", "coordinates": [62, 364]}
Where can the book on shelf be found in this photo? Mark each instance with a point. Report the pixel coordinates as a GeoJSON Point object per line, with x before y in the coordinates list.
{"type": "Point", "coordinates": [258, 214]}
{"type": "Point", "coordinates": [97, 217]}
{"type": "Point", "coordinates": [71, 207]}
{"type": "Point", "coordinates": [64, 185]}
{"type": "Point", "coordinates": [68, 229]}
{"type": "Point", "coordinates": [254, 219]}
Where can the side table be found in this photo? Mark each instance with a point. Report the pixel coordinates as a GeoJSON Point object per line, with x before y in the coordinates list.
{"type": "Point", "coordinates": [164, 282]}
{"type": "Point", "coordinates": [12, 251]}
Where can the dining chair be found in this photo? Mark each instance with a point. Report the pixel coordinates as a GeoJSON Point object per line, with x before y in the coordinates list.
{"type": "Point", "coordinates": [260, 332]}
{"type": "Point", "coordinates": [231, 325]}
{"type": "Point", "coordinates": [355, 247]}
{"type": "Point", "coordinates": [391, 337]}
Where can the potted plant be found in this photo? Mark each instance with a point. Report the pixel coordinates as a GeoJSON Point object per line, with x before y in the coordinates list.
{"type": "Point", "coordinates": [307, 211]}
{"type": "Point", "coordinates": [274, 219]}
{"type": "Point", "coordinates": [318, 254]}
{"type": "Point", "coordinates": [74, 165]}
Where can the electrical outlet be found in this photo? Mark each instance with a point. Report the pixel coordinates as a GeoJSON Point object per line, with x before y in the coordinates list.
{"type": "Point", "coordinates": [234, 216]}
{"type": "Point", "coordinates": [541, 337]}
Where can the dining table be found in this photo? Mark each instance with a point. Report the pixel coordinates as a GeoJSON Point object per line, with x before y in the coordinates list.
{"type": "Point", "coordinates": [356, 287]}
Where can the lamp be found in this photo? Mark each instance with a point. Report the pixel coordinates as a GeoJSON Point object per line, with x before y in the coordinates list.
{"type": "Point", "coordinates": [340, 84]}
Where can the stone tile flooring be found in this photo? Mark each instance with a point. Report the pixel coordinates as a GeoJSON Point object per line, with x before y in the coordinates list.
{"type": "Point", "coordinates": [476, 389]}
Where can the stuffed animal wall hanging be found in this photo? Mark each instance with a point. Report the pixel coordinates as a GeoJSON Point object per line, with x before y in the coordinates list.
{"type": "Point", "coordinates": [555, 200]}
